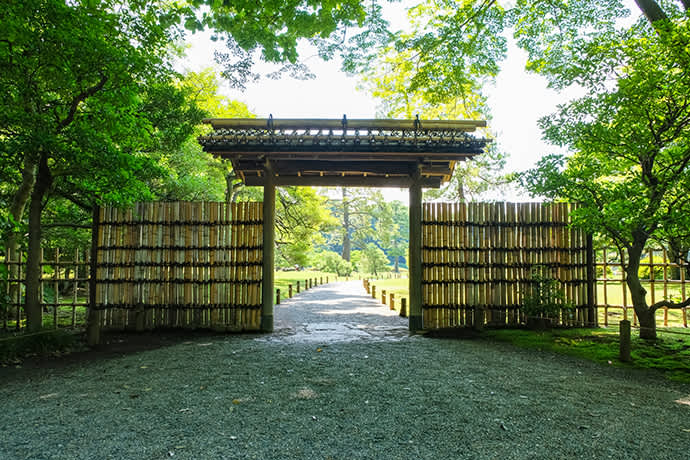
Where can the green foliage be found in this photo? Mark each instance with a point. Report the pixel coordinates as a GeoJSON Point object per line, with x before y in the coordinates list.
{"type": "Point", "coordinates": [436, 70]}
{"type": "Point", "coordinates": [329, 261]}
{"type": "Point", "coordinates": [373, 260]}
{"type": "Point", "coordinates": [630, 140]}
{"type": "Point", "coordinates": [301, 216]}
{"type": "Point", "coordinates": [392, 229]}
{"type": "Point", "coordinates": [451, 47]}
{"type": "Point", "coordinates": [99, 86]}
{"type": "Point", "coordinates": [545, 297]}
{"type": "Point", "coordinates": [272, 27]}
{"type": "Point", "coordinates": [354, 211]}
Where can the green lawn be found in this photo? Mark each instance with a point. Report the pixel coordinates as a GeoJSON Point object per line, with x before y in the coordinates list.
{"type": "Point", "coordinates": [399, 287]}
{"type": "Point", "coordinates": [614, 297]}
{"type": "Point", "coordinates": [284, 279]}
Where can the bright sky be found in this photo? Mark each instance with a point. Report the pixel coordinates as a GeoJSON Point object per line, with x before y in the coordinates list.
{"type": "Point", "coordinates": [517, 101]}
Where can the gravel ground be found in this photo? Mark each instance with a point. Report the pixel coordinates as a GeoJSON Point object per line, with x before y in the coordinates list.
{"type": "Point", "coordinates": [339, 380]}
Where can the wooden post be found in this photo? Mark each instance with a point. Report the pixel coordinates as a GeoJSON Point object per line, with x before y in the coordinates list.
{"type": "Point", "coordinates": [593, 317]}
{"type": "Point", "coordinates": [93, 328]}
{"type": "Point", "coordinates": [392, 301]}
{"type": "Point", "coordinates": [297, 287]}
{"type": "Point", "coordinates": [268, 249]}
{"type": "Point", "coordinates": [625, 341]}
{"type": "Point", "coordinates": [383, 296]}
{"type": "Point", "coordinates": [415, 248]}
{"type": "Point", "coordinates": [277, 296]}
{"type": "Point", "coordinates": [373, 291]}
{"type": "Point", "coordinates": [289, 291]}
{"type": "Point", "coordinates": [321, 280]}
{"type": "Point", "coordinates": [327, 280]}
{"type": "Point", "coordinates": [403, 307]}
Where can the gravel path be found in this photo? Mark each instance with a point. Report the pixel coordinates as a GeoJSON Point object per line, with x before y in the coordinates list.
{"type": "Point", "coordinates": [340, 380]}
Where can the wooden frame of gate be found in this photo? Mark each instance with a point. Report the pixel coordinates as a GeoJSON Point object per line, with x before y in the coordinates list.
{"type": "Point", "coordinates": [304, 152]}
{"type": "Point", "coordinates": [330, 152]}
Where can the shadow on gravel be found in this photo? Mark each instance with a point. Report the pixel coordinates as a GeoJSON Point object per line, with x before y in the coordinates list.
{"type": "Point", "coordinates": [453, 333]}
{"type": "Point", "coordinates": [114, 345]}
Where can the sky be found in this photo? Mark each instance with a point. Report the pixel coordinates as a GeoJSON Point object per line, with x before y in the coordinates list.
{"type": "Point", "coordinates": [517, 100]}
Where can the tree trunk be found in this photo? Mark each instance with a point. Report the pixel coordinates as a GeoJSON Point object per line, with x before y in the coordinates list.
{"type": "Point", "coordinates": [396, 266]}
{"type": "Point", "coordinates": [638, 293]}
{"type": "Point", "coordinates": [19, 200]}
{"type": "Point", "coordinates": [232, 187]}
{"type": "Point", "coordinates": [32, 307]}
{"type": "Point", "coordinates": [347, 245]}
{"type": "Point", "coordinates": [651, 10]}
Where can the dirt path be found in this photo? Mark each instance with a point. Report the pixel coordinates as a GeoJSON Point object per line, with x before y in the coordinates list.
{"type": "Point", "coordinates": [336, 312]}
{"type": "Point", "coordinates": [340, 380]}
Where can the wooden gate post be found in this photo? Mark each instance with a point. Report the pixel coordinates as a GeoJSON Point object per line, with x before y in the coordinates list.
{"type": "Point", "coordinates": [268, 249]}
{"type": "Point", "coordinates": [415, 262]}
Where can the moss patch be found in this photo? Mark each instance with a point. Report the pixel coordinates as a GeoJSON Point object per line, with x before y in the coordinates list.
{"type": "Point", "coordinates": [15, 347]}
{"type": "Point", "coordinates": [670, 354]}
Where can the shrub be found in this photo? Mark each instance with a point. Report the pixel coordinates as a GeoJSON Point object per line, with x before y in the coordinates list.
{"type": "Point", "coordinates": [545, 297]}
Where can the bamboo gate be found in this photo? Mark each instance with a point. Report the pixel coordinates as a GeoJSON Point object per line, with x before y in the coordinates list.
{"type": "Point", "coordinates": [477, 260]}
{"type": "Point", "coordinates": [178, 264]}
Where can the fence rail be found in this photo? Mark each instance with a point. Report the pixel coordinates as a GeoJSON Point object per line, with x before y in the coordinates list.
{"type": "Point", "coordinates": [64, 288]}
{"type": "Point", "coordinates": [663, 279]}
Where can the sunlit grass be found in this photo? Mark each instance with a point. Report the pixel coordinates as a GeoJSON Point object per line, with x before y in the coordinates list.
{"type": "Point", "coordinates": [670, 354]}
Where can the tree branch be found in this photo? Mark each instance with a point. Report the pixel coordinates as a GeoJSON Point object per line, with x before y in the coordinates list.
{"type": "Point", "coordinates": [81, 97]}
{"type": "Point", "coordinates": [669, 304]}
{"type": "Point", "coordinates": [82, 204]}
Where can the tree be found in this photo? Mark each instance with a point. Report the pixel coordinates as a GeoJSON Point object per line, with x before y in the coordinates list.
{"type": "Point", "coordinates": [189, 173]}
{"type": "Point", "coordinates": [301, 217]}
{"type": "Point", "coordinates": [272, 27]}
{"type": "Point", "coordinates": [392, 225]}
{"type": "Point", "coordinates": [373, 260]}
{"type": "Point", "coordinates": [354, 211]}
{"type": "Point", "coordinates": [403, 77]}
{"type": "Point", "coordinates": [630, 167]}
{"type": "Point", "coordinates": [332, 262]}
{"type": "Point", "coordinates": [75, 80]}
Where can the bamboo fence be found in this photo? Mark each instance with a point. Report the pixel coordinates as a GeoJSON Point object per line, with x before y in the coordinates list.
{"type": "Point", "coordinates": [64, 288]}
{"type": "Point", "coordinates": [180, 264]}
{"type": "Point", "coordinates": [481, 256]}
{"type": "Point", "coordinates": [663, 279]}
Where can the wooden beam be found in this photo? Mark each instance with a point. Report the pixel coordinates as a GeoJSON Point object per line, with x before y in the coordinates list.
{"type": "Point", "coordinates": [339, 124]}
{"type": "Point", "coordinates": [415, 248]}
{"type": "Point", "coordinates": [268, 249]}
{"type": "Point", "coordinates": [292, 167]}
{"type": "Point", "coordinates": [440, 151]}
{"type": "Point", "coordinates": [346, 181]}
{"type": "Point", "coordinates": [343, 157]}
